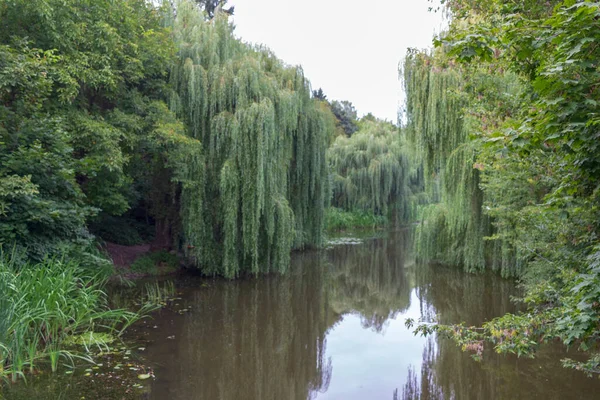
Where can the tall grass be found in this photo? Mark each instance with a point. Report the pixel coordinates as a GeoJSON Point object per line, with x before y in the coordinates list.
{"type": "Point", "coordinates": [44, 304]}
{"type": "Point", "coordinates": [337, 219]}
{"type": "Point", "coordinates": [155, 294]}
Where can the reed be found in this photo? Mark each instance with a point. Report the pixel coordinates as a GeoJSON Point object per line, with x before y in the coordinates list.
{"type": "Point", "coordinates": [155, 294]}
{"type": "Point", "coordinates": [44, 306]}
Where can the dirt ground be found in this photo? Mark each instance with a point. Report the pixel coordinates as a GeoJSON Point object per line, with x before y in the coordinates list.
{"type": "Point", "coordinates": [124, 256]}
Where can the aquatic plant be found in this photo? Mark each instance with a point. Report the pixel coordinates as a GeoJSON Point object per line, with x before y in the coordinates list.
{"type": "Point", "coordinates": [44, 305]}
{"type": "Point", "coordinates": [155, 294]}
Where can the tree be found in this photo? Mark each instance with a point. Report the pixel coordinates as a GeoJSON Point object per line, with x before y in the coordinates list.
{"type": "Point", "coordinates": [258, 186]}
{"type": "Point", "coordinates": [371, 171]}
{"type": "Point", "coordinates": [72, 117]}
{"type": "Point", "coordinates": [319, 95]}
{"type": "Point", "coordinates": [211, 7]}
{"type": "Point", "coordinates": [535, 153]}
{"type": "Point", "coordinates": [346, 115]}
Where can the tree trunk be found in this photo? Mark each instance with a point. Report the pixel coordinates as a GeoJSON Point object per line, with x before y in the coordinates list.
{"type": "Point", "coordinates": [162, 237]}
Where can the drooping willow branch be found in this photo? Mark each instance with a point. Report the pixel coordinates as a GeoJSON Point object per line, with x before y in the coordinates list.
{"type": "Point", "coordinates": [258, 187]}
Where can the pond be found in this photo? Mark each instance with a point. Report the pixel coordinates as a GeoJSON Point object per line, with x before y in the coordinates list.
{"type": "Point", "coordinates": [334, 328]}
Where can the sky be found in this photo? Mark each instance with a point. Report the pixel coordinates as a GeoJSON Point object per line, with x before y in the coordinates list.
{"type": "Point", "coordinates": [351, 49]}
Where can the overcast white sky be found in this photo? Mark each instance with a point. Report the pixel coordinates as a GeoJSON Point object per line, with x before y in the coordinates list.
{"type": "Point", "coordinates": [349, 48]}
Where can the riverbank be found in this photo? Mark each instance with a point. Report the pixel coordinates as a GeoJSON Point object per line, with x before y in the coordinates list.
{"type": "Point", "coordinates": [339, 220]}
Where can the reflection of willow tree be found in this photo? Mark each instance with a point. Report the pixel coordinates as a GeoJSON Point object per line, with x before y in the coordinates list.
{"type": "Point", "coordinates": [258, 339]}
{"type": "Point", "coordinates": [448, 373]}
{"type": "Point", "coordinates": [445, 295]}
{"type": "Point", "coordinates": [446, 292]}
{"type": "Point", "coordinates": [371, 280]}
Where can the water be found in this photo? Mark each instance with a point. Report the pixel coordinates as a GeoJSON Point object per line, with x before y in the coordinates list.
{"type": "Point", "coordinates": [334, 328]}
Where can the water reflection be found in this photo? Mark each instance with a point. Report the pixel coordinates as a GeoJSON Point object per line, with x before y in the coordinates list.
{"type": "Point", "coordinates": [334, 329]}
{"type": "Point", "coordinates": [445, 372]}
{"type": "Point", "coordinates": [448, 295]}
{"type": "Point", "coordinates": [370, 280]}
{"type": "Point", "coordinates": [250, 340]}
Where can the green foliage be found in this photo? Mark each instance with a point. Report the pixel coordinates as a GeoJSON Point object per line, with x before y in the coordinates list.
{"type": "Point", "coordinates": [233, 169]}
{"type": "Point", "coordinates": [149, 264]}
{"type": "Point", "coordinates": [345, 113]}
{"type": "Point", "coordinates": [144, 265]}
{"type": "Point", "coordinates": [257, 187]}
{"type": "Point", "coordinates": [337, 219]}
{"type": "Point", "coordinates": [538, 162]}
{"type": "Point", "coordinates": [79, 88]}
{"type": "Point", "coordinates": [371, 172]}
{"type": "Point", "coordinates": [447, 108]}
{"type": "Point", "coordinates": [45, 306]}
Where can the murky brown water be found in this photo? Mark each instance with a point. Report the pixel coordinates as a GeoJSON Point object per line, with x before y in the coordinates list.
{"type": "Point", "coordinates": [333, 328]}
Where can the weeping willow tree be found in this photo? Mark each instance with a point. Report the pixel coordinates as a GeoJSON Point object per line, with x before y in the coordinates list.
{"type": "Point", "coordinates": [443, 116]}
{"type": "Point", "coordinates": [258, 186]}
{"type": "Point", "coordinates": [372, 172]}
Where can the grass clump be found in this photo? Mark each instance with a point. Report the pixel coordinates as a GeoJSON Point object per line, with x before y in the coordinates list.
{"type": "Point", "coordinates": [337, 220]}
{"type": "Point", "coordinates": [45, 307]}
{"type": "Point", "coordinates": [155, 294]}
{"type": "Point", "coordinates": [157, 263]}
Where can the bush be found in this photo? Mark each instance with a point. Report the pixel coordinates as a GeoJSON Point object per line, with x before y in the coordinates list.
{"type": "Point", "coordinates": [144, 265]}
{"type": "Point", "coordinates": [150, 263]}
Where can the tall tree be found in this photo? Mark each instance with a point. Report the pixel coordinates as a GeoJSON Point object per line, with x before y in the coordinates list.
{"type": "Point", "coordinates": [71, 117]}
{"type": "Point", "coordinates": [371, 171]}
{"type": "Point", "coordinates": [346, 115]}
{"type": "Point", "coordinates": [211, 7]}
{"type": "Point", "coordinates": [319, 95]}
{"type": "Point", "coordinates": [535, 153]}
{"type": "Point", "coordinates": [259, 186]}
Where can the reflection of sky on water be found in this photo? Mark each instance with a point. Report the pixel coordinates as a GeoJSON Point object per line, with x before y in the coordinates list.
{"type": "Point", "coordinates": [369, 364]}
